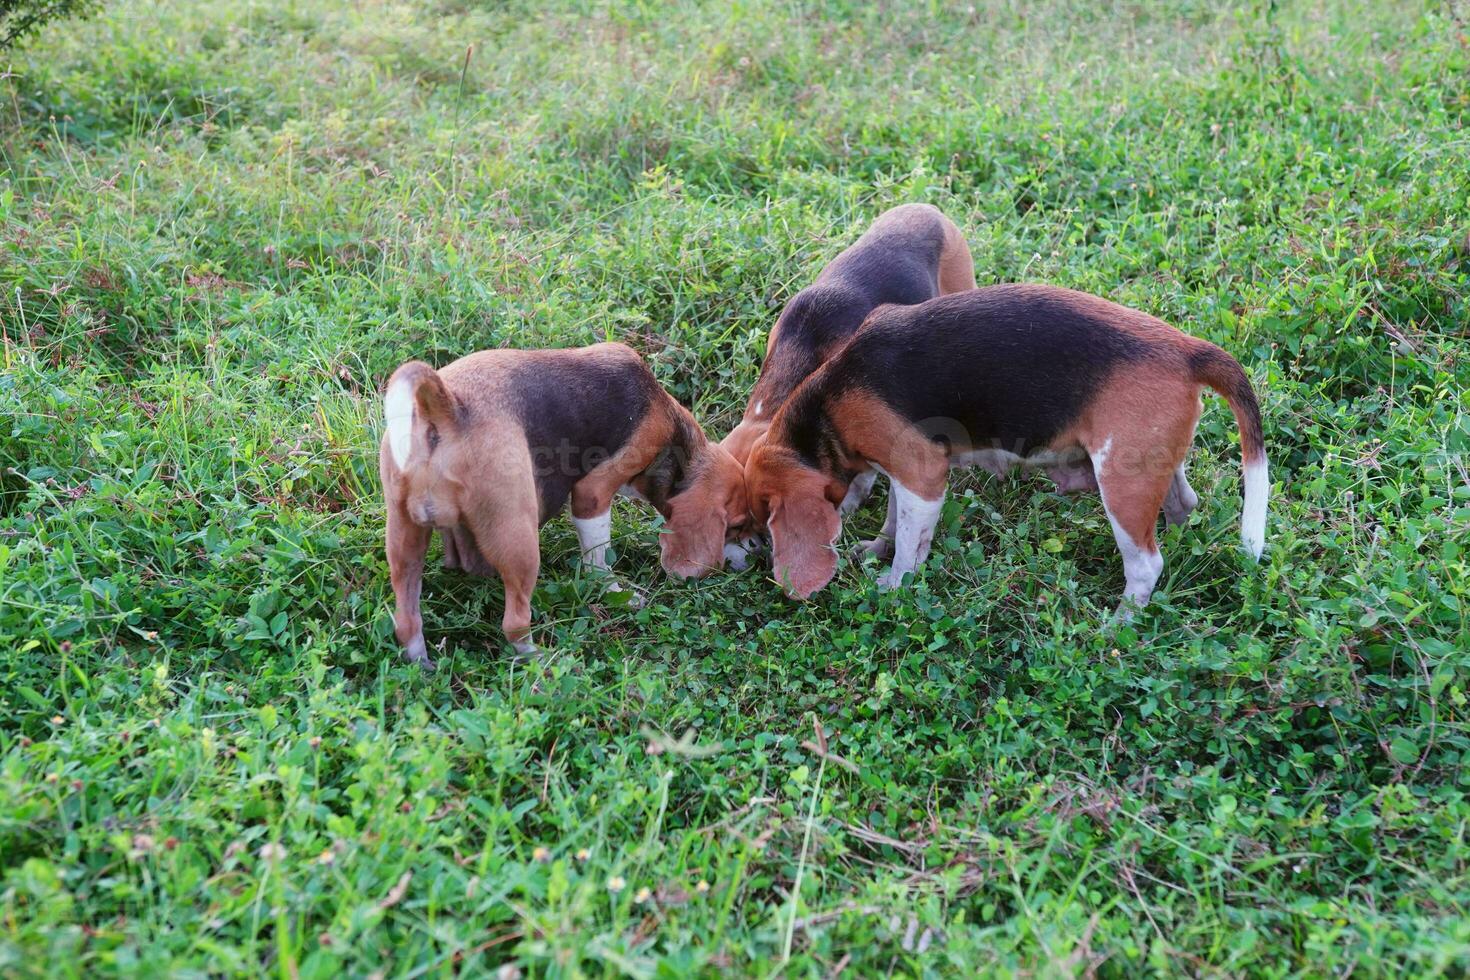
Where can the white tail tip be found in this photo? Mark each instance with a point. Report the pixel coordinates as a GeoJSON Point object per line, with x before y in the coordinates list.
{"type": "Point", "coordinates": [398, 407]}
{"type": "Point", "coordinates": [1253, 512]}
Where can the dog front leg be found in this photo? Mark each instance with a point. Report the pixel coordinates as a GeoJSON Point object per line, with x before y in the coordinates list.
{"type": "Point", "coordinates": [916, 518]}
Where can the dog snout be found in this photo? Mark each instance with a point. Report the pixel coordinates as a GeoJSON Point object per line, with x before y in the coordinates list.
{"type": "Point", "coordinates": [686, 569]}
{"type": "Point", "coordinates": [739, 553]}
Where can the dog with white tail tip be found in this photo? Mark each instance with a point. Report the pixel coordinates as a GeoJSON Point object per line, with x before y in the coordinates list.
{"type": "Point", "coordinates": [1029, 374]}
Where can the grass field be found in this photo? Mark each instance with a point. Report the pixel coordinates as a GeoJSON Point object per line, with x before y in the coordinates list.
{"type": "Point", "coordinates": [223, 224]}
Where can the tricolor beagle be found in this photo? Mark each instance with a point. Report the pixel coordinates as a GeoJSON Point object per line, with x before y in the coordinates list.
{"type": "Point", "coordinates": [911, 253]}
{"type": "Point", "coordinates": [489, 448]}
{"type": "Point", "coordinates": [1013, 373]}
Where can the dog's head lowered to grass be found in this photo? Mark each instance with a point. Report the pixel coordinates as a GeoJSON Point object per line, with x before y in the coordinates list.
{"type": "Point", "coordinates": [798, 505]}
{"type": "Point", "coordinates": [708, 512]}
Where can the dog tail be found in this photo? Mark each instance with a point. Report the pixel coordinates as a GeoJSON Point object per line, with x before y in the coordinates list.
{"type": "Point", "coordinates": [416, 407]}
{"type": "Point", "coordinates": [1213, 367]}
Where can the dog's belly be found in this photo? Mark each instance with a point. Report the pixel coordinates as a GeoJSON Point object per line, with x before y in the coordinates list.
{"type": "Point", "coordinates": [1070, 468]}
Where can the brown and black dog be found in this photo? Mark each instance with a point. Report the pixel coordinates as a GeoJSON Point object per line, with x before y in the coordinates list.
{"type": "Point", "coordinates": [1013, 373]}
{"type": "Point", "coordinates": [911, 253]}
{"type": "Point", "coordinates": [490, 447]}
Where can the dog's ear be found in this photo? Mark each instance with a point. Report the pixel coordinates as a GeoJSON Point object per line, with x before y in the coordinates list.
{"type": "Point", "coordinates": [700, 517]}
{"type": "Point", "coordinates": [803, 525]}
{"type": "Point", "coordinates": [419, 411]}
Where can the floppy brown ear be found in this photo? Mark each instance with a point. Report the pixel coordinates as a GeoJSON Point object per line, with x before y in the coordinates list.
{"type": "Point", "coordinates": [803, 527]}
{"type": "Point", "coordinates": [695, 543]}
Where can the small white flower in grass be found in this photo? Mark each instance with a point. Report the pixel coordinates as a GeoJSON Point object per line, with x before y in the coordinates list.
{"type": "Point", "coordinates": [616, 884]}
{"type": "Point", "coordinates": [508, 972]}
{"type": "Point", "coordinates": [540, 855]}
{"type": "Point", "coordinates": [701, 886]}
{"type": "Point", "coordinates": [58, 720]}
{"type": "Point", "coordinates": [326, 857]}
{"type": "Point", "coordinates": [643, 895]}
{"type": "Point", "coordinates": [272, 852]}
{"type": "Point", "coordinates": [583, 854]}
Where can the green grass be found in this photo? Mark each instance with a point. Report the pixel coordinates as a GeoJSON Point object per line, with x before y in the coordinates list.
{"type": "Point", "coordinates": [223, 225]}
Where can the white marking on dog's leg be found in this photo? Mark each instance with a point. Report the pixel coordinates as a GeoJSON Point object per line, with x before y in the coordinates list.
{"type": "Point", "coordinates": [913, 535]}
{"type": "Point", "coordinates": [1141, 567]}
{"type": "Point", "coordinates": [398, 416]}
{"type": "Point", "coordinates": [857, 491]}
{"type": "Point", "coordinates": [594, 534]}
{"type": "Point", "coordinates": [758, 406]}
{"type": "Point", "coordinates": [1253, 514]}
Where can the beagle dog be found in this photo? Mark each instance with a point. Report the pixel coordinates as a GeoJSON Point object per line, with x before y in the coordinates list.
{"type": "Point", "coordinates": [909, 254]}
{"type": "Point", "coordinates": [490, 447]}
{"type": "Point", "coordinates": [1007, 374]}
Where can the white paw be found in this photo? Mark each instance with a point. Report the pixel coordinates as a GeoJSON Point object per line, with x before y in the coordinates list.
{"type": "Point", "coordinates": [879, 548]}
{"type": "Point", "coordinates": [890, 580]}
{"type": "Point", "coordinates": [524, 647]}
